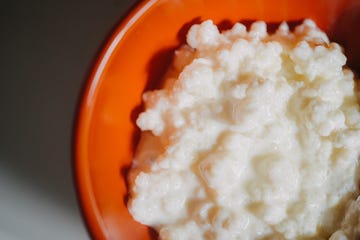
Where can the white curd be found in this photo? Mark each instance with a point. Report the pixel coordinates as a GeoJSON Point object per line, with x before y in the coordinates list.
{"type": "Point", "coordinates": [254, 136]}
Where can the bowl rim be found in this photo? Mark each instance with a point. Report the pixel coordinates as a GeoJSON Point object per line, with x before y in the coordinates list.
{"type": "Point", "coordinates": [82, 179]}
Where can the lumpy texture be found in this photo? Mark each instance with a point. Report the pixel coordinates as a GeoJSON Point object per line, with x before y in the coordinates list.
{"type": "Point", "coordinates": [253, 136]}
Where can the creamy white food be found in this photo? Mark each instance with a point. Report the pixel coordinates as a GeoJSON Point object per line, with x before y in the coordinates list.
{"type": "Point", "coordinates": [253, 136]}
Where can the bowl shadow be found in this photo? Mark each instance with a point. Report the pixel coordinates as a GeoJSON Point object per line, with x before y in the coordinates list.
{"type": "Point", "coordinates": [345, 31]}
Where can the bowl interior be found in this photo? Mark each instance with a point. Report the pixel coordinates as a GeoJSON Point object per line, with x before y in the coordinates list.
{"type": "Point", "coordinates": [134, 60]}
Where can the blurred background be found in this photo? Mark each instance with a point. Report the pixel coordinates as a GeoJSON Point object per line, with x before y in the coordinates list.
{"type": "Point", "coordinates": [46, 51]}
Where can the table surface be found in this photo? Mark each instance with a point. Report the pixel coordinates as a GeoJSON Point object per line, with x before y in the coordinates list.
{"type": "Point", "coordinates": [47, 49]}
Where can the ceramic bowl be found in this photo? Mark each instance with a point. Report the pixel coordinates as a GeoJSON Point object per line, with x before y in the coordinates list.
{"type": "Point", "coordinates": [134, 60]}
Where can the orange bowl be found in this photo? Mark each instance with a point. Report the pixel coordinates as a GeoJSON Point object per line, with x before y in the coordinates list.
{"type": "Point", "coordinates": [134, 60]}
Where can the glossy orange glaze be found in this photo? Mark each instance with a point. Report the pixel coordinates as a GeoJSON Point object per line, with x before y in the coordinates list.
{"type": "Point", "coordinates": [134, 59]}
